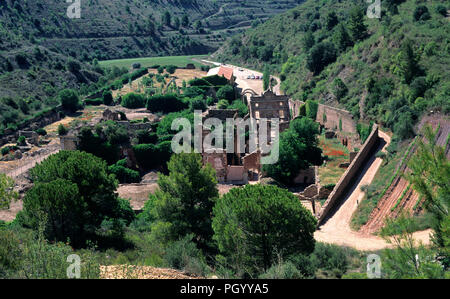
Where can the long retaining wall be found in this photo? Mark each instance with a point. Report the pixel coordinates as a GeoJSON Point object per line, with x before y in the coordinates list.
{"type": "Point", "coordinates": [349, 175]}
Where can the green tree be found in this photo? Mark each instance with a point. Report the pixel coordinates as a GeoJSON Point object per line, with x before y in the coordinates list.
{"type": "Point", "coordinates": [226, 93]}
{"type": "Point", "coordinates": [421, 13]}
{"type": "Point", "coordinates": [7, 193]}
{"type": "Point", "coordinates": [321, 55]}
{"type": "Point", "coordinates": [341, 38]}
{"type": "Point", "coordinates": [331, 20]}
{"type": "Point", "coordinates": [356, 26]}
{"type": "Point", "coordinates": [185, 21]}
{"type": "Point", "coordinates": [298, 150]}
{"type": "Point", "coordinates": [339, 89]}
{"type": "Point", "coordinates": [311, 107]}
{"type": "Point", "coordinates": [308, 41]}
{"type": "Point", "coordinates": [167, 18]}
{"type": "Point", "coordinates": [133, 101]}
{"type": "Point", "coordinates": [430, 177]}
{"type": "Point", "coordinates": [406, 62]}
{"type": "Point", "coordinates": [69, 99]}
{"type": "Point", "coordinates": [266, 78]}
{"type": "Point", "coordinates": [107, 97]}
{"type": "Point", "coordinates": [76, 186]}
{"type": "Point", "coordinates": [255, 224]}
{"type": "Point", "coordinates": [185, 199]}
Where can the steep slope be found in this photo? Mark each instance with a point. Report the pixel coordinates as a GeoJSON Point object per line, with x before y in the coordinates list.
{"type": "Point", "coordinates": [123, 29]}
{"type": "Point", "coordinates": [389, 70]}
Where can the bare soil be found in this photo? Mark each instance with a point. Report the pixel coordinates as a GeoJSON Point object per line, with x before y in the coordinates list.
{"type": "Point", "coordinates": [337, 229]}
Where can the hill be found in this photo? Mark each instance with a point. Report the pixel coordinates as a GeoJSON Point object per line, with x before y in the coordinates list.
{"type": "Point", "coordinates": [389, 70]}
{"type": "Point", "coordinates": [125, 29]}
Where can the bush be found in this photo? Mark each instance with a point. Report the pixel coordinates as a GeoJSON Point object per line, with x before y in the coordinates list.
{"type": "Point", "coordinates": [93, 102]}
{"type": "Point", "coordinates": [73, 66]}
{"type": "Point", "coordinates": [124, 175]}
{"type": "Point", "coordinates": [320, 56]}
{"type": "Point", "coordinates": [184, 255]}
{"type": "Point", "coordinates": [21, 141]}
{"type": "Point", "coordinates": [136, 65]}
{"type": "Point", "coordinates": [226, 93]}
{"type": "Point", "coordinates": [69, 100]}
{"type": "Point", "coordinates": [107, 97]}
{"type": "Point", "coordinates": [171, 69]}
{"type": "Point", "coordinates": [146, 137]}
{"type": "Point", "coordinates": [5, 150]}
{"type": "Point", "coordinates": [165, 103]}
{"type": "Point", "coordinates": [41, 131]}
{"type": "Point", "coordinates": [421, 13]}
{"type": "Point", "coordinates": [222, 104]}
{"type": "Point", "coordinates": [62, 130]}
{"type": "Point", "coordinates": [159, 154]}
{"type": "Point", "coordinates": [285, 270]}
{"type": "Point", "coordinates": [442, 10]}
{"type": "Point", "coordinates": [133, 101]}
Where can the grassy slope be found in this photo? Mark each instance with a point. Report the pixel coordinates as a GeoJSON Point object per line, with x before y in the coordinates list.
{"type": "Point", "coordinates": [373, 57]}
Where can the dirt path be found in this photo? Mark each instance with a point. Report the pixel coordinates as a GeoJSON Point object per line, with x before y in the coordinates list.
{"type": "Point", "coordinates": [337, 229]}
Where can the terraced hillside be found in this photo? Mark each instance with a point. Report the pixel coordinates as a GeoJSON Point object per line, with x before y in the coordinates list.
{"type": "Point", "coordinates": [124, 29]}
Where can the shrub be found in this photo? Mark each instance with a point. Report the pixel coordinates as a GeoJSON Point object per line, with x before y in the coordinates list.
{"type": "Point", "coordinates": [136, 65]}
{"type": "Point", "coordinates": [93, 102]}
{"type": "Point", "coordinates": [21, 141]}
{"type": "Point", "coordinates": [226, 93]}
{"type": "Point", "coordinates": [222, 104]}
{"type": "Point", "coordinates": [285, 270]}
{"type": "Point", "coordinates": [73, 66]}
{"type": "Point", "coordinates": [146, 137]}
{"type": "Point", "coordinates": [133, 101]}
{"type": "Point", "coordinates": [5, 150]}
{"type": "Point", "coordinates": [441, 9]}
{"type": "Point", "coordinates": [421, 13]}
{"type": "Point", "coordinates": [171, 69]}
{"type": "Point", "coordinates": [184, 255]}
{"type": "Point", "coordinates": [159, 154]}
{"type": "Point", "coordinates": [41, 131]}
{"type": "Point", "coordinates": [165, 103]}
{"type": "Point", "coordinates": [124, 175]}
{"type": "Point", "coordinates": [69, 100]}
{"type": "Point", "coordinates": [107, 97]}
{"type": "Point", "coordinates": [62, 130]}
{"type": "Point", "coordinates": [320, 56]}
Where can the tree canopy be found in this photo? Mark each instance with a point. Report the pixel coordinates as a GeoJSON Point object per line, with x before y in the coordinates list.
{"type": "Point", "coordinates": [255, 224]}
{"type": "Point", "coordinates": [73, 194]}
{"type": "Point", "coordinates": [185, 199]}
{"type": "Point", "coordinates": [298, 150]}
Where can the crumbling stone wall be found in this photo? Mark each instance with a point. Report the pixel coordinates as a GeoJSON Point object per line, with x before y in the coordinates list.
{"type": "Point", "coordinates": [350, 174]}
{"type": "Point", "coordinates": [42, 120]}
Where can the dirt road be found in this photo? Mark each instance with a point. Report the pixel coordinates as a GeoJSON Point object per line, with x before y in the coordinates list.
{"type": "Point", "coordinates": [337, 229]}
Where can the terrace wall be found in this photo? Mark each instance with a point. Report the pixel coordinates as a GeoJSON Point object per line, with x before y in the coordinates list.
{"type": "Point", "coordinates": [350, 174]}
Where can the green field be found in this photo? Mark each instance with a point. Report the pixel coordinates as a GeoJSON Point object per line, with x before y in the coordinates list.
{"type": "Point", "coordinates": [180, 61]}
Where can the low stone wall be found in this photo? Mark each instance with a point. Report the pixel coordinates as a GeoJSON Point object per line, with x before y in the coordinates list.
{"type": "Point", "coordinates": [40, 121]}
{"type": "Point", "coordinates": [349, 175]}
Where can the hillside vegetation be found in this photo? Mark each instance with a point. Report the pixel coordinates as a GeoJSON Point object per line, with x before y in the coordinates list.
{"type": "Point", "coordinates": [389, 70]}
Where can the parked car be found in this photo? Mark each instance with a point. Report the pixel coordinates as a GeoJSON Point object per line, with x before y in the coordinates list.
{"type": "Point", "coordinates": [252, 77]}
{"type": "Point", "coordinates": [249, 77]}
{"type": "Point", "coordinates": [257, 77]}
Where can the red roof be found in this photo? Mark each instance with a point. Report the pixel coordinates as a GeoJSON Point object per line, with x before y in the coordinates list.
{"type": "Point", "coordinates": [226, 72]}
